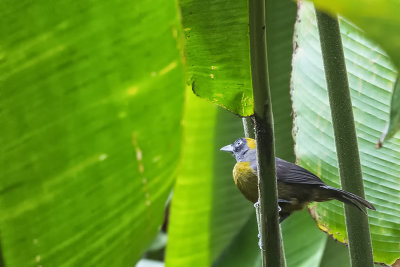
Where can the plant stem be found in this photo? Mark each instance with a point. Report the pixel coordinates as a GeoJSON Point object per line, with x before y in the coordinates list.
{"type": "Point", "coordinates": [345, 137]}
{"type": "Point", "coordinates": [264, 132]}
{"type": "Point", "coordinates": [248, 127]}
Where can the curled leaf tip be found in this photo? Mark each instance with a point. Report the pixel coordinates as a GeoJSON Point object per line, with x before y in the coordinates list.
{"type": "Point", "coordinates": [383, 136]}
{"type": "Point", "coordinates": [379, 144]}
{"type": "Point", "coordinates": [194, 88]}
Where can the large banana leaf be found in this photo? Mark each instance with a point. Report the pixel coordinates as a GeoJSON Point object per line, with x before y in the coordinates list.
{"type": "Point", "coordinates": [217, 52]}
{"type": "Point", "coordinates": [393, 125]}
{"type": "Point", "coordinates": [207, 210]}
{"type": "Point", "coordinates": [244, 249]}
{"type": "Point", "coordinates": [89, 145]}
{"type": "Point", "coordinates": [371, 78]}
{"type": "Point", "coordinates": [379, 19]}
{"type": "Point", "coordinates": [281, 17]}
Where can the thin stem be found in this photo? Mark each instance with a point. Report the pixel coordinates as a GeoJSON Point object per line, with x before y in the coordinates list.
{"type": "Point", "coordinates": [248, 127]}
{"type": "Point", "coordinates": [345, 137]}
{"type": "Point", "coordinates": [264, 132]}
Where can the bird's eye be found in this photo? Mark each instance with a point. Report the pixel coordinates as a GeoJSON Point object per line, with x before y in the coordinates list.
{"type": "Point", "coordinates": [239, 142]}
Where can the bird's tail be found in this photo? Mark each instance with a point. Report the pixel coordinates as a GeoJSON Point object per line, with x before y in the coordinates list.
{"type": "Point", "coordinates": [350, 198]}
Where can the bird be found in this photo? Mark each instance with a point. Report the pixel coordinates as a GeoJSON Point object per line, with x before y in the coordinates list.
{"type": "Point", "coordinates": [296, 186]}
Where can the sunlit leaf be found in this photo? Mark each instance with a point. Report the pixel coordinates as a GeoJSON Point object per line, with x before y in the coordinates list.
{"type": "Point", "coordinates": [89, 145]}
{"type": "Point", "coordinates": [217, 52]}
{"type": "Point", "coordinates": [207, 210]}
{"type": "Point", "coordinates": [379, 19]}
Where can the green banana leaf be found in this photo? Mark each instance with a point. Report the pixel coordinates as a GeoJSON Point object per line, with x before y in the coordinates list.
{"type": "Point", "coordinates": [207, 210]}
{"type": "Point", "coordinates": [304, 245]}
{"type": "Point", "coordinates": [393, 125]}
{"type": "Point", "coordinates": [89, 146]}
{"type": "Point", "coordinates": [244, 249]}
{"type": "Point", "coordinates": [371, 78]}
{"type": "Point", "coordinates": [217, 52]}
{"type": "Point", "coordinates": [281, 17]}
{"type": "Point", "coordinates": [335, 254]}
{"type": "Point", "coordinates": [379, 20]}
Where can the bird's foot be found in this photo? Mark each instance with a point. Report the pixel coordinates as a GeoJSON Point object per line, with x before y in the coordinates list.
{"type": "Point", "coordinates": [260, 243]}
{"type": "Point", "coordinates": [280, 201]}
{"type": "Point", "coordinates": [257, 204]}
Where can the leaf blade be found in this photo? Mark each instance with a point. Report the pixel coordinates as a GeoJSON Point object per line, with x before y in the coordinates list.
{"type": "Point", "coordinates": [370, 78]}
{"type": "Point", "coordinates": [75, 150]}
{"type": "Point", "coordinates": [219, 63]}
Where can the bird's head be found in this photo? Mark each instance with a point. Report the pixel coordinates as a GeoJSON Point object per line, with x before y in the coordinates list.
{"type": "Point", "coordinates": [240, 148]}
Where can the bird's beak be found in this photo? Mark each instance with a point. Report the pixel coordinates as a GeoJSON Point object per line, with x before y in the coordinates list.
{"type": "Point", "coordinates": [228, 148]}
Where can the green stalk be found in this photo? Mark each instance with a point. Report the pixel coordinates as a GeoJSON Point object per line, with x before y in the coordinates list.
{"type": "Point", "coordinates": [264, 132]}
{"type": "Point", "coordinates": [248, 127]}
{"type": "Point", "coordinates": [345, 137]}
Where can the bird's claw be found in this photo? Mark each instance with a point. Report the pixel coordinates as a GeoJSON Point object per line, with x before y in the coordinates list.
{"type": "Point", "coordinates": [257, 204]}
{"type": "Point", "coordinates": [260, 242]}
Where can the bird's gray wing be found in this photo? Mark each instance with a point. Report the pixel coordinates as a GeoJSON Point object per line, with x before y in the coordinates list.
{"type": "Point", "coordinates": [288, 172]}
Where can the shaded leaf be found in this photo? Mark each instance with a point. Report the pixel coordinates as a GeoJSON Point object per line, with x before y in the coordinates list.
{"type": "Point", "coordinates": [393, 125]}
{"type": "Point", "coordinates": [304, 243]}
{"type": "Point", "coordinates": [281, 17]}
{"type": "Point", "coordinates": [371, 78]}
{"type": "Point", "coordinates": [335, 254]}
{"type": "Point", "coordinates": [244, 249]}
{"type": "Point", "coordinates": [380, 21]}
